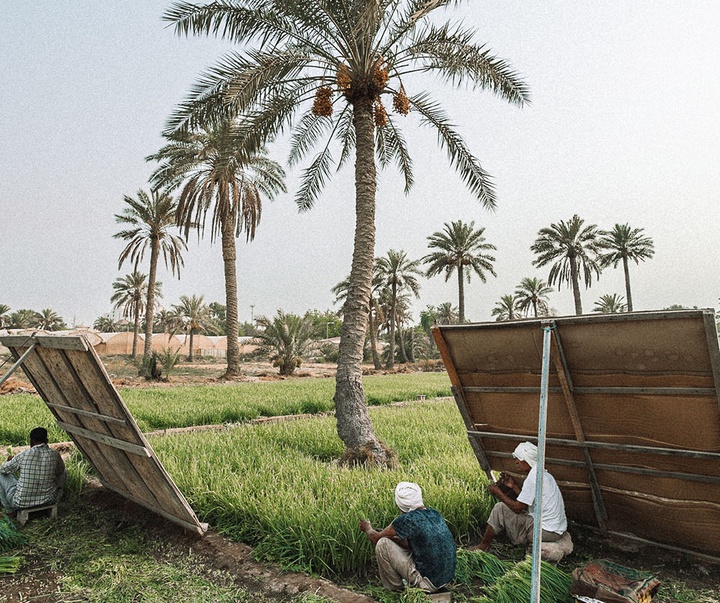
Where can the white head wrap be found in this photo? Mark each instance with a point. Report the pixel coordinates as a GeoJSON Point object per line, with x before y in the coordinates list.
{"type": "Point", "coordinates": [408, 496]}
{"type": "Point", "coordinates": [527, 452]}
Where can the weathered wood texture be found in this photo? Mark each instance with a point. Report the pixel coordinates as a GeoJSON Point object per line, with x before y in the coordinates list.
{"type": "Point", "coordinates": [69, 376]}
{"type": "Point", "coordinates": [633, 414]}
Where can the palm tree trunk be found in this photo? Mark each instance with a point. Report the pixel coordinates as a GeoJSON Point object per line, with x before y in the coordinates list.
{"type": "Point", "coordinates": [136, 326]}
{"type": "Point", "coordinates": [229, 253]}
{"type": "Point", "coordinates": [391, 348]}
{"type": "Point", "coordinates": [401, 344]}
{"type": "Point", "coordinates": [626, 268]}
{"type": "Point", "coordinates": [191, 357]}
{"type": "Point", "coordinates": [353, 421]}
{"type": "Point", "coordinates": [461, 295]}
{"type": "Point", "coordinates": [150, 307]}
{"type": "Point", "coordinates": [575, 286]}
{"type": "Point", "coordinates": [373, 338]}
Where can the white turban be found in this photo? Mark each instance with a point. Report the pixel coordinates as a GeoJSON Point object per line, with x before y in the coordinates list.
{"type": "Point", "coordinates": [408, 496]}
{"type": "Point", "coordinates": [527, 452]}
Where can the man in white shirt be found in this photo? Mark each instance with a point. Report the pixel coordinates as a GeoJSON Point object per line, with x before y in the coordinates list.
{"type": "Point", "coordinates": [515, 516]}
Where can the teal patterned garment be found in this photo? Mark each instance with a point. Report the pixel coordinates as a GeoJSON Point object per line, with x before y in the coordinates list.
{"type": "Point", "coordinates": [431, 544]}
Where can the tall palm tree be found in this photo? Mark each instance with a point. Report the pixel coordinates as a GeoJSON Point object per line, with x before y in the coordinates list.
{"type": "Point", "coordinates": [532, 294]}
{"type": "Point", "coordinates": [191, 316]}
{"type": "Point", "coordinates": [49, 320]}
{"type": "Point", "coordinates": [447, 314]}
{"type": "Point", "coordinates": [217, 176]}
{"type": "Point", "coordinates": [611, 304]}
{"type": "Point", "coordinates": [398, 274]}
{"type": "Point", "coordinates": [130, 290]}
{"type": "Point", "coordinates": [623, 244]}
{"type": "Point", "coordinates": [148, 220]}
{"type": "Point", "coordinates": [506, 308]}
{"type": "Point", "coordinates": [574, 250]}
{"type": "Point", "coordinates": [334, 62]}
{"type": "Point", "coordinates": [463, 249]}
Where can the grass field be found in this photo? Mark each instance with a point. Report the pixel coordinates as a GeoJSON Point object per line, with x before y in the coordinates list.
{"type": "Point", "coordinates": [166, 407]}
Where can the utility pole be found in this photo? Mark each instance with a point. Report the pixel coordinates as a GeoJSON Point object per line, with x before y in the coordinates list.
{"type": "Point", "coordinates": [252, 314]}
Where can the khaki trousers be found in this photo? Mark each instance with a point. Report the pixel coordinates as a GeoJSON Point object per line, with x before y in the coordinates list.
{"type": "Point", "coordinates": [396, 564]}
{"type": "Point", "coordinates": [517, 526]}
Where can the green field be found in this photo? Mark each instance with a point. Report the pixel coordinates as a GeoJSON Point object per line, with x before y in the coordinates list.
{"type": "Point", "coordinates": [167, 407]}
{"type": "Point", "coordinates": [278, 487]}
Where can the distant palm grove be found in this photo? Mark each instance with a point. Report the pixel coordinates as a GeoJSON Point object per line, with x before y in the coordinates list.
{"type": "Point", "coordinates": [341, 83]}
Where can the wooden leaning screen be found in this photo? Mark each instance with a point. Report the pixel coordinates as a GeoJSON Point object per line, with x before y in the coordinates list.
{"type": "Point", "coordinates": [633, 415]}
{"type": "Point", "coordinates": [67, 373]}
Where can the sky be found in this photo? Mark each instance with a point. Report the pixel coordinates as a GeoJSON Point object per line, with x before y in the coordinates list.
{"type": "Point", "coordinates": [623, 127]}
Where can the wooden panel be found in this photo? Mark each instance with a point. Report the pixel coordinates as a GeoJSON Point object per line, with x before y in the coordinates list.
{"type": "Point", "coordinates": [644, 390]}
{"type": "Point", "coordinates": [69, 376]}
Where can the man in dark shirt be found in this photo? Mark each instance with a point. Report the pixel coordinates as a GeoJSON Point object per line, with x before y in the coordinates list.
{"type": "Point", "coordinates": [417, 548]}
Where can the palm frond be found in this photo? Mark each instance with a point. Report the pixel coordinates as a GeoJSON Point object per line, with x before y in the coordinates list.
{"type": "Point", "coordinates": [313, 179]}
{"type": "Point", "coordinates": [475, 177]}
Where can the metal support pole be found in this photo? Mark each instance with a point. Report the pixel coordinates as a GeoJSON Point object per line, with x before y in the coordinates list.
{"type": "Point", "coordinates": [15, 366]}
{"type": "Point", "coordinates": [540, 469]}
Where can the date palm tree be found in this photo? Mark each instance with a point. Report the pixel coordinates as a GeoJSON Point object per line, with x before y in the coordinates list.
{"type": "Point", "coordinates": [532, 294]}
{"type": "Point", "coordinates": [398, 274]}
{"type": "Point", "coordinates": [623, 244]}
{"type": "Point", "coordinates": [191, 316]}
{"type": "Point", "coordinates": [573, 249]}
{"type": "Point", "coordinates": [611, 304]}
{"type": "Point", "coordinates": [463, 249]}
{"type": "Point", "coordinates": [130, 291]}
{"type": "Point", "coordinates": [286, 338]}
{"type": "Point", "coordinates": [148, 221]}
{"type": "Point", "coordinates": [447, 314]}
{"type": "Point", "coordinates": [506, 308]}
{"type": "Point", "coordinates": [335, 62]}
{"type": "Point", "coordinates": [4, 314]}
{"type": "Point", "coordinates": [23, 319]}
{"type": "Point", "coordinates": [105, 324]}
{"type": "Point", "coordinates": [216, 176]}
{"type": "Point", "coordinates": [49, 320]}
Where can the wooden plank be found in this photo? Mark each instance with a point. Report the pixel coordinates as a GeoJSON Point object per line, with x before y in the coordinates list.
{"type": "Point", "coordinates": [60, 342]}
{"type": "Point", "coordinates": [628, 391]}
{"type": "Point", "coordinates": [103, 439]}
{"type": "Point", "coordinates": [87, 413]}
{"type": "Point", "coordinates": [566, 384]}
{"type": "Point", "coordinates": [679, 452]}
{"type": "Point", "coordinates": [714, 350]}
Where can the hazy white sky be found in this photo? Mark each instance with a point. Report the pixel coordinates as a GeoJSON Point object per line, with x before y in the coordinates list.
{"type": "Point", "coordinates": [624, 126]}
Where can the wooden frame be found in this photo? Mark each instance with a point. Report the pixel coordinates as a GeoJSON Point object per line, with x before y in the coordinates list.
{"type": "Point", "coordinates": [69, 376]}
{"type": "Point", "coordinates": [633, 432]}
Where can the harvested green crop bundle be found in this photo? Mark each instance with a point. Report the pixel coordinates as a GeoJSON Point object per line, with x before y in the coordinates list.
{"type": "Point", "coordinates": [479, 565]}
{"type": "Point", "coordinates": [10, 538]}
{"type": "Point", "coordinates": [516, 585]}
{"type": "Point", "coordinates": [9, 565]}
